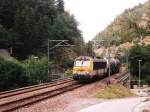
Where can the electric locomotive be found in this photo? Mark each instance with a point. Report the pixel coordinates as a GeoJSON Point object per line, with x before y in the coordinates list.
{"type": "Point", "coordinates": [86, 68]}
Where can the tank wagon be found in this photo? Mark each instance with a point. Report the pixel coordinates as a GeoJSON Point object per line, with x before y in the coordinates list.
{"type": "Point", "coordinates": [86, 68]}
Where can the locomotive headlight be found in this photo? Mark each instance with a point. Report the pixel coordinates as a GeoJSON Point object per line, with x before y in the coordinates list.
{"type": "Point", "coordinates": [87, 72]}
{"type": "Point", "coordinates": [74, 72]}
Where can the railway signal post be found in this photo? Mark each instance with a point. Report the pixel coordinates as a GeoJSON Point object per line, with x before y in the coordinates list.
{"type": "Point", "coordinates": [109, 62]}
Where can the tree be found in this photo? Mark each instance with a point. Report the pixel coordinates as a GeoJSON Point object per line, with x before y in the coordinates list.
{"type": "Point", "coordinates": [32, 23]}
{"type": "Point", "coordinates": [29, 23]}
{"type": "Point", "coordinates": [140, 52]}
{"type": "Point", "coordinates": [8, 9]}
{"type": "Point", "coordinates": [12, 75]}
{"type": "Point", "coordinates": [89, 49]}
{"type": "Point", "coordinates": [36, 69]}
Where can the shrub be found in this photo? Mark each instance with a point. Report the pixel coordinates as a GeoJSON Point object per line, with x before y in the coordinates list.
{"type": "Point", "coordinates": [114, 91]}
{"type": "Point", "coordinates": [140, 52]}
{"type": "Point", "coordinates": [68, 73]}
{"type": "Point", "coordinates": [36, 70]}
{"type": "Point", "coordinates": [67, 63]}
{"type": "Point", "coordinates": [11, 75]}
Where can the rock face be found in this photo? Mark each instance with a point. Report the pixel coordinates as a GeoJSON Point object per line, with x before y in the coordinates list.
{"type": "Point", "coordinates": [104, 52]}
{"type": "Point", "coordinates": [5, 54]}
{"type": "Point", "coordinates": [146, 40]}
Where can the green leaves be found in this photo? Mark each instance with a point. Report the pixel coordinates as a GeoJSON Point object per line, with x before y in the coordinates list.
{"type": "Point", "coordinates": [36, 69]}
{"type": "Point", "coordinates": [140, 52]}
{"type": "Point", "coordinates": [89, 49]}
{"type": "Point", "coordinates": [31, 22]}
{"type": "Point", "coordinates": [32, 71]}
{"type": "Point", "coordinates": [11, 75]}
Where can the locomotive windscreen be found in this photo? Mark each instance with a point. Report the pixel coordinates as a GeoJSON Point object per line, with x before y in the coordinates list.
{"type": "Point", "coordinates": [82, 63]}
{"type": "Point", "coordinates": [99, 65]}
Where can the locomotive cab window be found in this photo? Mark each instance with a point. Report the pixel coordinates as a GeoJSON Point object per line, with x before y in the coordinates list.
{"type": "Point", "coordinates": [82, 63]}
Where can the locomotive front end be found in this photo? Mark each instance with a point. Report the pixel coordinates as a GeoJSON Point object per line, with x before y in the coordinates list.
{"type": "Point", "coordinates": [82, 68]}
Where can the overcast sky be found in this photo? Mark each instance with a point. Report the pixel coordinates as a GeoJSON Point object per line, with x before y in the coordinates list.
{"type": "Point", "coordinates": [94, 15]}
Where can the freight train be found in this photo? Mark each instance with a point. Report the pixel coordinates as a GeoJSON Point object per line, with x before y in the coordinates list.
{"type": "Point", "coordinates": [87, 68]}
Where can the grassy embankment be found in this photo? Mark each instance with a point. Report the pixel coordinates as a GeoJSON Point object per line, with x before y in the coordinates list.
{"type": "Point", "coordinates": [114, 91]}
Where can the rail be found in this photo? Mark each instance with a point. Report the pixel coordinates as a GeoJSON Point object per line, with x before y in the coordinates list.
{"type": "Point", "coordinates": [124, 78]}
{"type": "Point", "coordinates": [14, 99]}
{"type": "Point", "coordinates": [12, 105]}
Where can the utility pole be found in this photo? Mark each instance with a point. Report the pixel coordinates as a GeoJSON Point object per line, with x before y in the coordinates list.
{"type": "Point", "coordinates": [109, 60]}
{"type": "Point", "coordinates": [128, 69]}
{"type": "Point", "coordinates": [48, 57]}
{"type": "Point", "coordinates": [139, 73]}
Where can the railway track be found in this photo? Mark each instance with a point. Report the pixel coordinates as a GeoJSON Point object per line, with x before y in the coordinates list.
{"type": "Point", "coordinates": [124, 77]}
{"type": "Point", "coordinates": [33, 88]}
{"type": "Point", "coordinates": [121, 76]}
{"type": "Point", "coordinates": [14, 99]}
{"type": "Point", "coordinates": [28, 87]}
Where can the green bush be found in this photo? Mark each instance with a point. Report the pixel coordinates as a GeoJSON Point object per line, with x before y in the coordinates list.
{"type": "Point", "coordinates": [140, 52]}
{"type": "Point", "coordinates": [68, 73]}
{"type": "Point", "coordinates": [36, 69]}
{"type": "Point", "coordinates": [11, 75]}
{"type": "Point", "coordinates": [67, 63]}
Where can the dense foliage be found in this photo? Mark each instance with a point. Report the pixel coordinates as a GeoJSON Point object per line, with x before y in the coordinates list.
{"type": "Point", "coordinates": [32, 71]}
{"type": "Point", "coordinates": [26, 25]}
{"type": "Point", "coordinates": [132, 25]}
{"type": "Point", "coordinates": [12, 75]}
{"type": "Point", "coordinates": [140, 52]}
{"type": "Point", "coordinates": [89, 49]}
{"type": "Point", "coordinates": [36, 69]}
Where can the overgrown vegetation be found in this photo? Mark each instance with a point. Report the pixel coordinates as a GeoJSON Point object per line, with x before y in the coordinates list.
{"type": "Point", "coordinates": [114, 91]}
{"type": "Point", "coordinates": [68, 73]}
{"type": "Point", "coordinates": [140, 52]}
{"type": "Point", "coordinates": [12, 75]}
{"type": "Point", "coordinates": [36, 70]}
